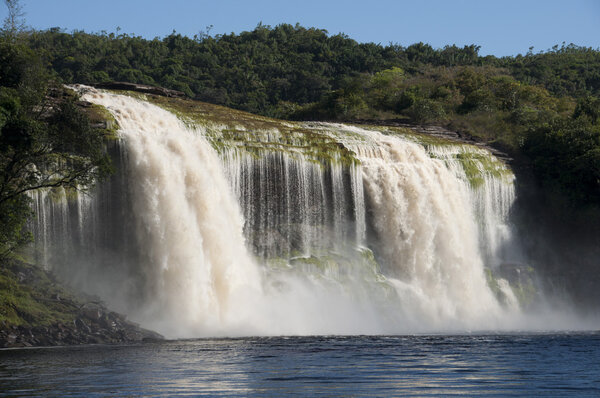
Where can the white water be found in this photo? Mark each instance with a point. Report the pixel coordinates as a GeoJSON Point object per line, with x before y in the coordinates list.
{"type": "Point", "coordinates": [195, 264]}
{"type": "Point", "coordinates": [179, 262]}
{"type": "Point", "coordinates": [293, 206]}
{"type": "Point", "coordinates": [491, 199]}
{"type": "Point", "coordinates": [422, 213]}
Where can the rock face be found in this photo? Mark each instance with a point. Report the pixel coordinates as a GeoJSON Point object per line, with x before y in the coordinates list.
{"type": "Point", "coordinates": [94, 324]}
{"type": "Point", "coordinates": [35, 310]}
{"type": "Point", "coordinates": [142, 88]}
{"type": "Point", "coordinates": [440, 132]}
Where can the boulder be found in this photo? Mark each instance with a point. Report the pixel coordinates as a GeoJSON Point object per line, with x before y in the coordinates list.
{"type": "Point", "coordinates": [92, 311]}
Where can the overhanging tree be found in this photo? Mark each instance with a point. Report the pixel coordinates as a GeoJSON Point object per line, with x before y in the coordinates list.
{"type": "Point", "coordinates": [45, 140]}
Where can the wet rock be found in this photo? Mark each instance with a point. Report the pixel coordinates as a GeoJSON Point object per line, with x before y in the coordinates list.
{"type": "Point", "coordinates": [107, 322]}
{"type": "Point", "coordinates": [142, 88]}
{"type": "Point", "coordinates": [80, 324]}
{"type": "Point", "coordinates": [92, 322]}
{"type": "Point", "coordinates": [84, 104]}
{"type": "Point", "coordinates": [92, 311]}
{"type": "Point", "coordinates": [440, 132]}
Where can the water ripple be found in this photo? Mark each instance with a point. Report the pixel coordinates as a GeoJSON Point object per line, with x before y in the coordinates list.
{"type": "Point", "coordinates": [503, 365]}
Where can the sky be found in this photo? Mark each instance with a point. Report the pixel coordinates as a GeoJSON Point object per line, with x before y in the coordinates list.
{"type": "Point", "coordinates": [506, 27]}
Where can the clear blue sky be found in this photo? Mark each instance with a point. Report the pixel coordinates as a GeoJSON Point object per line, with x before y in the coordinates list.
{"type": "Point", "coordinates": [500, 27]}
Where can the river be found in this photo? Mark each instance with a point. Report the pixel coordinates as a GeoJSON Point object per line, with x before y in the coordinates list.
{"type": "Point", "coordinates": [564, 364]}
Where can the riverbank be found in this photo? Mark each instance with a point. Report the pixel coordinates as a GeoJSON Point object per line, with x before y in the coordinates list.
{"type": "Point", "coordinates": [36, 310]}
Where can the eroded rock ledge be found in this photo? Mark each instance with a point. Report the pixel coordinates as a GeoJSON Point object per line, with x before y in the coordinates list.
{"type": "Point", "coordinates": [142, 88]}
{"type": "Point", "coordinates": [441, 132]}
{"type": "Point", "coordinates": [93, 325]}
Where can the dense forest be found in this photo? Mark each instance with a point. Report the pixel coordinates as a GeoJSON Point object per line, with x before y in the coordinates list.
{"type": "Point", "coordinates": [542, 108]}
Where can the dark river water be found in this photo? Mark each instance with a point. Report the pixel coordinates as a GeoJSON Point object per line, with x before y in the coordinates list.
{"type": "Point", "coordinates": [493, 365]}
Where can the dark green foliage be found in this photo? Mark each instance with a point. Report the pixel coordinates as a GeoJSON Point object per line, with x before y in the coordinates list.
{"type": "Point", "coordinates": [568, 70]}
{"type": "Point", "coordinates": [566, 155]}
{"type": "Point", "coordinates": [257, 70]}
{"type": "Point", "coordinates": [294, 72]}
{"type": "Point", "coordinates": [424, 110]}
{"type": "Point", "coordinates": [45, 140]}
{"type": "Point", "coordinates": [253, 71]}
{"type": "Point", "coordinates": [589, 108]}
{"type": "Point", "coordinates": [13, 218]}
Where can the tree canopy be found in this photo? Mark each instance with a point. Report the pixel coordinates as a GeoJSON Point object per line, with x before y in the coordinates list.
{"type": "Point", "coordinates": [45, 140]}
{"type": "Point", "coordinates": [541, 107]}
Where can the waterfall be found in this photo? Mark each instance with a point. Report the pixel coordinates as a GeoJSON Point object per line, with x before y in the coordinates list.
{"type": "Point", "coordinates": [294, 206]}
{"type": "Point", "coordinates": [492, 195]}
{"type": "Point", "coordinates": [273, 237]}
{"type": "Point", "coordinates": [191, 265]}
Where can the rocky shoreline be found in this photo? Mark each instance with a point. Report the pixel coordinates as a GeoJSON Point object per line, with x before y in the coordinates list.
{"type": "Point", "coordinates": [94, 325]}
{"type": "Point", "coordinates": [36, 310]}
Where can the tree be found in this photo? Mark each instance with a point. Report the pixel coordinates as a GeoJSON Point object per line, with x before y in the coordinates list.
{"type": "Point", "coordinates": [565, 157]}
{"type": "Point", "coordinates": [45, 141]}
{"type": "Point", "coordinates": [15, 21]}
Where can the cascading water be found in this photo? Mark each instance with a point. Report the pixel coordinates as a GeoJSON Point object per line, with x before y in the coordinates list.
{"type": "Point", "coordinates": [294, 206]}
{"type": "Point", "coordinates": [393, 239]}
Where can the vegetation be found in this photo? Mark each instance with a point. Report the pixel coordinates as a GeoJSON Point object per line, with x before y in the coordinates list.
{"type": "Point", "coordinates": [294, 72]}
{"type": "Point", "coordinates": [254, 134]}
{"type": "Point", "coordinates": [45, 140]}
{"type": "Point", "coordinates": [271, 69]}
{"type": "Point", "coordinates": [29, 297]}
{"type": "Point", "coordinates": [543, 108]}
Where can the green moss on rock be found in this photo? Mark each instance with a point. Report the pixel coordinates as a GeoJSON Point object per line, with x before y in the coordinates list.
{"type": "Point", "coordinates": [230, 129]}
{"type": "Point", "coordinates": [476, 163]}
{"type": "Point", "coordinates": [29, 297]}
{"type": "Point", "coordinates": [101, 118]}
{"type": "Point", "coordinates": [521, 280]}
{"type": "Point", "coordinates": [322, 143]}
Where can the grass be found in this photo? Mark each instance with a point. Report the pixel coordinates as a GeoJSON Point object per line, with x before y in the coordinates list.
{"type": "Point", "coordinates": [29, 297]}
